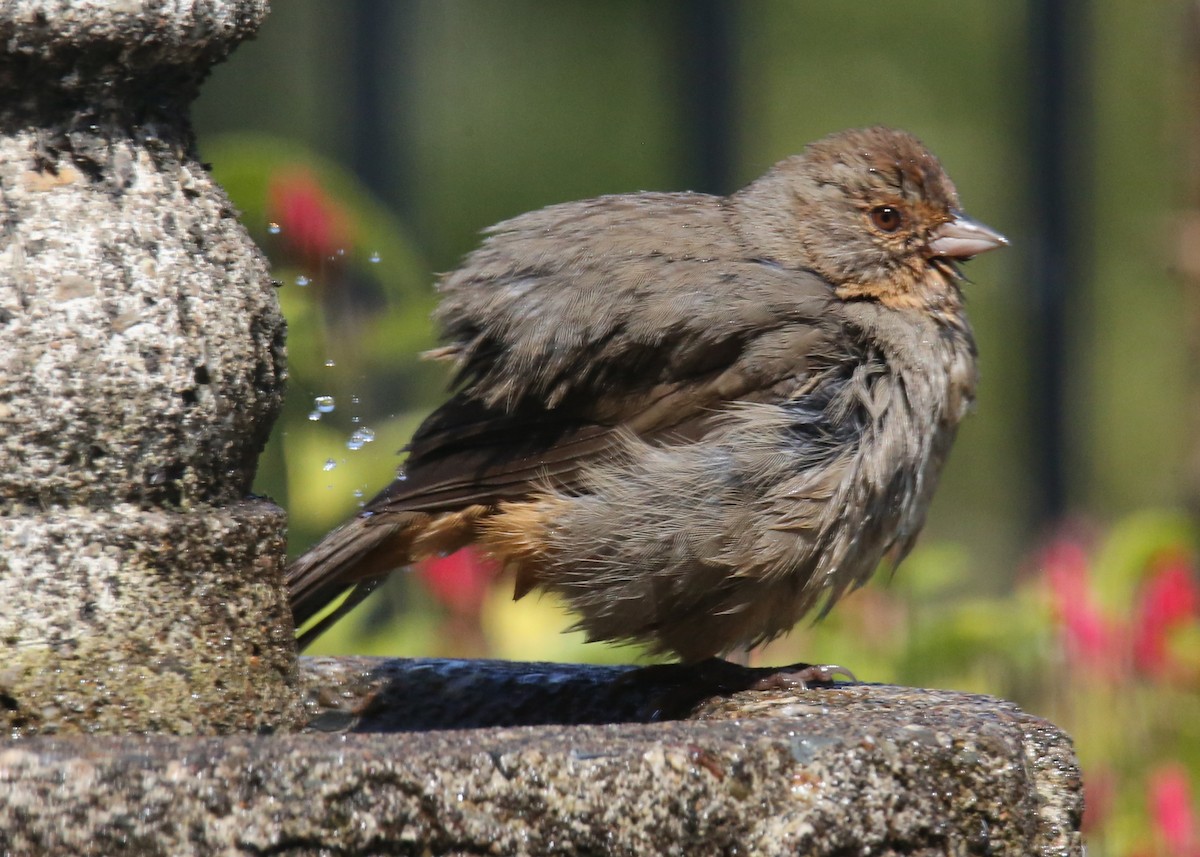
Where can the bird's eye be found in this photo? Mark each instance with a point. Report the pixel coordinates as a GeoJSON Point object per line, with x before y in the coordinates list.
{"type": "Point", "coordinates": [886, 218]}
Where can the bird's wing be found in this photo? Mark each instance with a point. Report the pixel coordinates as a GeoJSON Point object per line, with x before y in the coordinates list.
{"type": "Point", "coordinates": [577, 325]}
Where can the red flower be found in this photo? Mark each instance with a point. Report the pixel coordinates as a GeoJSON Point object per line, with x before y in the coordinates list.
{"type": "Point", "coordinates": [313, 226]}
{"type": "Point", "coordinates": [459, 581]}
{"type": "Point", "coordinates": [1170, 798]}
{"type": "Point", "coordinates": [1169, 600]}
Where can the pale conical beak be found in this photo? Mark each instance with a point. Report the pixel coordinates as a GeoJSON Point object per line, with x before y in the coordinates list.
{"type": "Point", "coordinates": [962, 238]}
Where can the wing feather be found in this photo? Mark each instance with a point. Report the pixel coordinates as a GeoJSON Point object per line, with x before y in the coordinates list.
{"type": "Point", "coordinates": [575, 326]}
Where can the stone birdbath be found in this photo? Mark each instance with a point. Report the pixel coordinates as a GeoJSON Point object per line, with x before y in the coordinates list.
{"type": "Point", "coordinates": [150, 687]}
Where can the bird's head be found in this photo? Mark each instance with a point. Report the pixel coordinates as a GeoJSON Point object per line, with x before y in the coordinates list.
{"type": "Point", "coordinates": [871, 211]}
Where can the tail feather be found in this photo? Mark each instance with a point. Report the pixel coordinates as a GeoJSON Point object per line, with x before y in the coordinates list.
{"type": "Point", "coordinates": [362, 549]}
{"type": "Point", "coordinates": [357, 595]}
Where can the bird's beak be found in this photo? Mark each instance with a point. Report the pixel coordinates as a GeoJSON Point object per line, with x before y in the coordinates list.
{"type": "Point", "coordinates": [962, 238]}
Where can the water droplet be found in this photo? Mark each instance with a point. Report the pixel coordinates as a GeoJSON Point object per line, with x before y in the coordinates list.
{"type": "Point", "coordinates": [360, 437]}
{"type": "Point", "coordinates": [329, 364]}
{"type": "Point", "coordinates": [356, 419]}
{"type": "Point", "coordinates": [329, 464]}
{"type": "Point", "coordinates": [358, 492]}
{"type": "Point", "coordinates": [354, 400]}
{"type": "Point", "coordinates": [302, 281]}
{"type": "Point", "coordinates": [373, 258]}
{"type": "Point", "coordinates": [341, 251]}
{"type": "Point", "coordinates": [274, 228]}
{"type": "Point", "coordinates": [324, 404]}
{"type": "Point", "coordinates": [314, 415]}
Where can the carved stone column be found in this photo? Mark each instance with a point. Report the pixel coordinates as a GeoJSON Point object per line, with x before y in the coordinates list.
{"type": "Point", "coordinates": [141, 368]}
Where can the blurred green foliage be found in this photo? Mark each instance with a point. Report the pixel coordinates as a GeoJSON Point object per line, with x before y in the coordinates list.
{"type": "Point", "coordinates": [355, 330]}
{"type": "Point", "coordinates": [507, 107]}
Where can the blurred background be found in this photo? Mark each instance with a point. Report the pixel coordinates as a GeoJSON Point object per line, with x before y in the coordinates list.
{"type": "Point", "coordinates": [367, 143]}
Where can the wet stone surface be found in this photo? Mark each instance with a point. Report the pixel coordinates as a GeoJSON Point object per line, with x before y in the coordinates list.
{"type": "Point", "coordinates": [850, 769]}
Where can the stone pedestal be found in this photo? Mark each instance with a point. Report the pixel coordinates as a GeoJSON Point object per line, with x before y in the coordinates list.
{"type": "Point", "coordinates": [141, 367]}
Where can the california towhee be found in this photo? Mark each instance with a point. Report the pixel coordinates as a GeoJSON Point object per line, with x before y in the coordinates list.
{"type": "Point", "coordinates": [693, 417]}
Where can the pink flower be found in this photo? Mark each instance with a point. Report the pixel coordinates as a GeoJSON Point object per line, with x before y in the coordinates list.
{"type": "Point", "coordinates": [1170, 799]}
{"type": "Point", "coordinates": [1065, 562]}
{"type": "Point", "coordinates": [313, 226]}
{"type": "Point", "coordinates": [1092, 639]}
{"type": "Point", "coordinates": [1169, 600]}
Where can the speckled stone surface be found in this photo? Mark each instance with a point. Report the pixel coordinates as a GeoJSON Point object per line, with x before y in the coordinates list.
{"type": "Point", "coordinates": [89, 47]}
{"type": "Point", "coordinates": [130, 620]}
{"type": "Point", "coordinates": [850, 769]}
{"type": "Point", "coordinates": [141, 343]}
{"type": "Point", "coordinates": [141, 367]}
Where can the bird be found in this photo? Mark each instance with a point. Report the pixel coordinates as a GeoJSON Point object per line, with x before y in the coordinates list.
{"type": "Point", "coordinates": [694, 418]}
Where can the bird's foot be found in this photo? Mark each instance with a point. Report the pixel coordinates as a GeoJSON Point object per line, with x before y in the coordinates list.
{"type": "Point", "coordinates": [801, 677]}
{"type": "Point", "coordinates": [675, 690]}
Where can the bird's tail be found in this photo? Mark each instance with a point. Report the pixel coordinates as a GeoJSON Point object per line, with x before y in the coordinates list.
{"type": "Point", "coordinates": [359, 553]}
{"type": "Point", "coordinates": [362, 551]}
